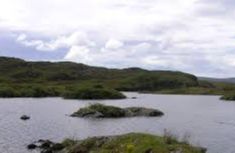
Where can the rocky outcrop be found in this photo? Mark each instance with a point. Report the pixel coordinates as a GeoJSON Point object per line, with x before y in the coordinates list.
{"type": "Point", "coordinates": [103, 111]}
{"type": "Point", "coordinates": [133, 143]}
{"type": "Point", "coordinates": [46, 146]}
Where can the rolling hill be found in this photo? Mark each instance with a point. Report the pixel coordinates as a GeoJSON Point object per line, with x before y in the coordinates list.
{"type": "Point", "coordinates": [18, 71]}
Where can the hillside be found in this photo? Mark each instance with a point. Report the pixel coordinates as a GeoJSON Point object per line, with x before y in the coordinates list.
{"type": "Point", "coordinates": [18, 71]}
{"type": "Point", "coordinates": [224, 80]}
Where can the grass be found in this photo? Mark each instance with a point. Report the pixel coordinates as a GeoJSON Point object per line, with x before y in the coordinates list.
{"type": "Point", "coordinates": [228, 97]}
{"type": "Point", "coordinates": [192, 91]}
{"type": "Point", "coordinates": [93, 93]}
{"type": "Point", "coordinates": [106, 111]}
{"type": "Point", "coordinates": [29, 91]}
{"type": "Point", "coordinates": [21, 78]}
{"type": "Point", "coordinates": [131, 143]}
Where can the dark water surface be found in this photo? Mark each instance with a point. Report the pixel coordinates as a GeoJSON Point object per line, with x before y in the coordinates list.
{"type": "Point", "coordinates": [209, 121]}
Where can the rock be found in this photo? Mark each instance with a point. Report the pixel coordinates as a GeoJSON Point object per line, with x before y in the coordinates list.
{"type": "Point", "coordinates": [45, 144]}
{"type": "Point", "coordinates": [155, 113]}
{"type": "Point", "coordinates": [133, 97]}
{"type": "Point", "coordinates": [24, 117]}
{"type": "Point", "coordinates": [47, 151]}
{"type": "Point", "coordinates": [149, 151]}
{"type": "Point", "coordinates": [32, 146]}
{"type": "Point", "coordinates": [203, 150]}
{"type": "Point", "coordinates": [141, 111]}
{"type": "Point", "coordinates": [105, 111]}
{"type": "Point", "coordinates": [92, 115]}
{"type": "Point", "coordinates": [57, 146]}
{"type": "Point", "coordinates": [98, 115]}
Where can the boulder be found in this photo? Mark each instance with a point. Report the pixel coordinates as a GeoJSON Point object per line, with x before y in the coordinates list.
{"type": "Point", "coordinates": [32, 146]}
{"type": "Point", "coordinates": [24, 117]}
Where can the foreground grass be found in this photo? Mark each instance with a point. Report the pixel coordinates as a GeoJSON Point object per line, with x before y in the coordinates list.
{"type": "Point", "coordinates": [128, 143]}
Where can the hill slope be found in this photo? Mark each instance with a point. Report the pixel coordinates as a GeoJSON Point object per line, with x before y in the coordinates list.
{"type": "Point", "coordinates": [18, 71]}
{"type": "Point", "coordinates": [225, 80]}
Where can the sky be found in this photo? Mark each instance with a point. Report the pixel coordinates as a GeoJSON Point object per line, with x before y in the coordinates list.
{"type": "Point", "coordinates": [194, 36]}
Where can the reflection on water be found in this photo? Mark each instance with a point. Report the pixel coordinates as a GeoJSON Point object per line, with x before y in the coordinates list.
{"type": "Point", "coordinates": [209, 121]}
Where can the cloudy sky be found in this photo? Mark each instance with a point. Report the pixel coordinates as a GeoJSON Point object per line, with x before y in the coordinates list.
{"type": "Point", "coordinates": [195, 36]}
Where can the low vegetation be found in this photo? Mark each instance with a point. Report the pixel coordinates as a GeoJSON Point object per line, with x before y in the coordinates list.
{"type": "Point", "coordinates": [228, 96]}
{"type": "Point", "coordinates": [93, 93]}
{"type": "Point", "coordinates": [128, 143]}
{"type": "Point", "coordinates": [18, 73]}
{"type": "Point", "coordinates": [21, 78]}
{"type": "Point", "coordinates": [105, 111]}
{"type": "Point", "coordinates": [33, 90]}
{"type": "Point", "coordinates": [28, 91]}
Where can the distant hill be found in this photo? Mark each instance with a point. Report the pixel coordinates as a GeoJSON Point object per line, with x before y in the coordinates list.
{"type": "Point", "coordinates": [224, 80]}
{"type": "Point", "coordinates": [18, 71]}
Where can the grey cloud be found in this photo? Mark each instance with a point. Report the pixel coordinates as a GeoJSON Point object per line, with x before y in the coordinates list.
{"type": "Point", "coordinates": [216, 7]}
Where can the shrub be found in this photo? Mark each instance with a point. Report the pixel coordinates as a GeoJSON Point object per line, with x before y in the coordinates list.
{"type": "Point", "coordinates": [93, 93]}
{"type": "Point", "coordinates": [108, 111]}
{"type": "Point", "coordinates": [168, 137]}
{"type": "Point", "coordinates": [38, 91]}
{"type": "Point", "coordinates": [8, 92]}
{"type": "Point", "coordinates": [228, 96]}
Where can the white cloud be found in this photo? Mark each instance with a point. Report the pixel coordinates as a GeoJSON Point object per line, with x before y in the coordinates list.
{"type": "Point", "coordinates": [78, 54]}
{"type": "Point", "coordinates": [174, 34]}
{"type": "Point", "coordinates": [76, 38]}
{"type": "Point", "coordinates": [113, 44]}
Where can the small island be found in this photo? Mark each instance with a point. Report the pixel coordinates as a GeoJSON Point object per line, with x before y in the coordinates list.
{"type": "Point", "coordinates": [105, 111]}
{"type": "Point", "coordinates": [128, 143]}
{"type": "Point", "coordinates": [228, 97]}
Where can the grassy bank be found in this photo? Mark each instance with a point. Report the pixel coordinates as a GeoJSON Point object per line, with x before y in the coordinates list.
{"type": "Point", "coordinates": [94, 89]}
{"type": "Point", "coordinates": [93, 93]}
{"type": "Point", "coordinates": [68, 92]}
{"type": "Point", "coordinates": [128, 143]}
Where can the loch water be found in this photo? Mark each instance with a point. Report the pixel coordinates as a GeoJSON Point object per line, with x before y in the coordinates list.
{"type": "Point", "coordinates": [205, 120]}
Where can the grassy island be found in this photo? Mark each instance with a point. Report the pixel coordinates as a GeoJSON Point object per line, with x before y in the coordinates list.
{"type": "Point", "coordinates": [228, 97]}
{"type": "Point", "coordinates": [105, 111]}
{"type": "Point", "coordinates": [128, 143]}
{"type": "Point", "coordinates": [93, 93]}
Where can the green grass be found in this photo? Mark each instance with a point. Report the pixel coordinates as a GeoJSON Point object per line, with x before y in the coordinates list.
{"type": "Point", "coordinates": [93, 93]}
{"type": "Point", "coordinates": [228, 96]}
{"type": "Point", "coordinates": [29, 91]}
{"type": "Point", "coordinates": [106, 111]}
{"type": "Point", "coordinates": [16, 71]}
{"type": "Point", "coordinates": [131, 143]}
{"type": "Point", "coordinates": [192, 91]}
{"type": "Point", "coordinates": [21, 78]}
